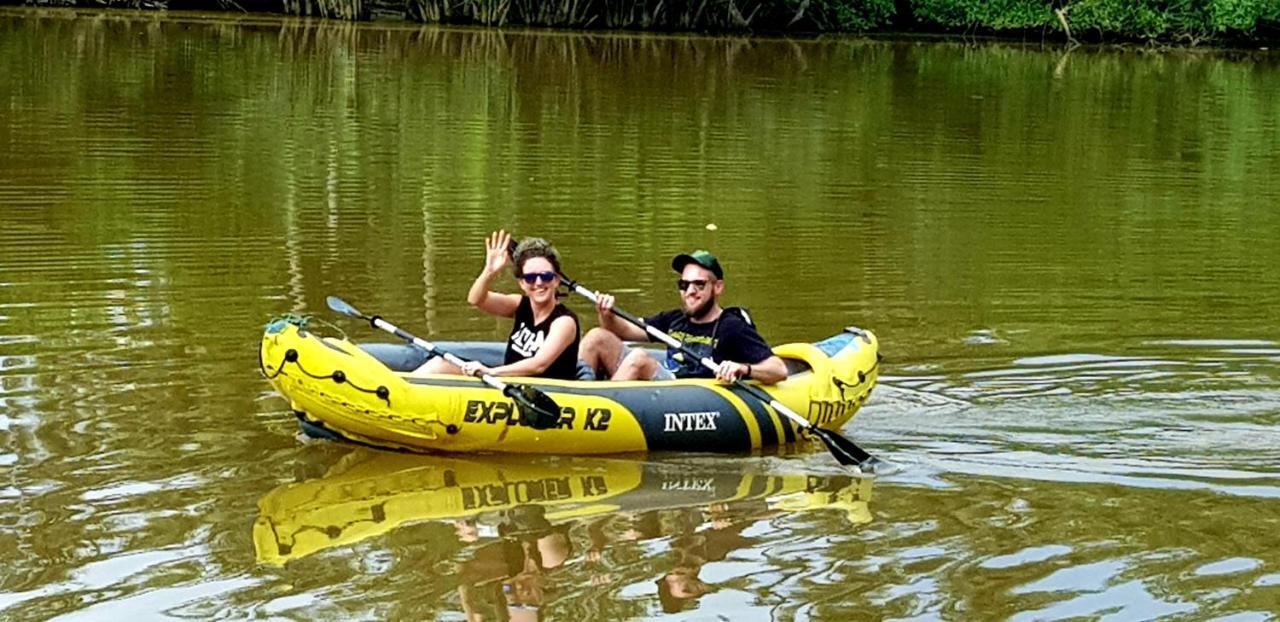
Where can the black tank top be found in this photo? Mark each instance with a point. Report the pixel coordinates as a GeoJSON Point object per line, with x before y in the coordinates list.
{"type": "Point", "coordinates": [527, 338]}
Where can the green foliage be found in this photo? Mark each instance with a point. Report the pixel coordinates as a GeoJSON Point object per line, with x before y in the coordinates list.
{"type": "Point", "coordinates": [1243, 15]}
{"type": "Point", "coordinates": [989, 14]}
{"type": "Point", "coordinates": [1127, 18]}
{"type": "Point", "coordinates": [1180, 21]}
{"type": "Point", "coordinates": [861, 14]}
{"type": "Point", "coordinates": [1172, 19]}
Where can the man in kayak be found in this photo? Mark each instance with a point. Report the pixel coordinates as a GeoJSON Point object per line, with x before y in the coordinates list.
{"type": "Point", "coordinates": [701, 324]}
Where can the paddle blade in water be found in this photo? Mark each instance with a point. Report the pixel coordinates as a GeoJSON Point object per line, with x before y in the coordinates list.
{"type": "Point", "coordinates": [537, 409]}
{"type": "Point", "coordinates": [845, 451]}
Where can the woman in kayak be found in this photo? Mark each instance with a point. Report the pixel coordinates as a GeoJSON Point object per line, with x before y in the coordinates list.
{"type": "Point", "coordinates": [544, 337]}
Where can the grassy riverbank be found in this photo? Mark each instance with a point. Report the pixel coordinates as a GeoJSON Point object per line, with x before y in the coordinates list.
{"type": "Point", "coordinates": [1184, 22]}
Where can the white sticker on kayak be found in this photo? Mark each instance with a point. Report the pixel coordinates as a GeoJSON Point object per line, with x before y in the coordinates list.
{"type": "Point", "coordinates": [690, 422]}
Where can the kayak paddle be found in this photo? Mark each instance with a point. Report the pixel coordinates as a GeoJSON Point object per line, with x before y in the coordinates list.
{"type": "Point", "coordinates": [537, 409]}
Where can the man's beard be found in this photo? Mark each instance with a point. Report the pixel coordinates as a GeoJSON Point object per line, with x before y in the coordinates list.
{"type": "Point", "coordinates": [701, 311]}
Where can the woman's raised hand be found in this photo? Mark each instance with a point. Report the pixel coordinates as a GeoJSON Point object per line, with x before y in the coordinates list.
{"type": "Point", "coordinates": [496, 256]}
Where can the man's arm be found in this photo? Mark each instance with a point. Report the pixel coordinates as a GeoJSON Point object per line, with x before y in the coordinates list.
{"type": "Point", "coordinates": [769, 371]}
{"type": "Point", "coordinates": [749, 355]}
{"type": "Point", "coordinates": [614, 324]}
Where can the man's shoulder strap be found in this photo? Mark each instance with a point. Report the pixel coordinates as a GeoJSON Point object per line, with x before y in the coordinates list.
{"type": "Point", "coordinates": [742, 313]}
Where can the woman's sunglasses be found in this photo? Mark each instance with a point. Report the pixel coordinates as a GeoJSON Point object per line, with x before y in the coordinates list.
{"type": "Point", "coordinates": [533, 277]}
{"type": "Point", "coordinates": [699, 284]}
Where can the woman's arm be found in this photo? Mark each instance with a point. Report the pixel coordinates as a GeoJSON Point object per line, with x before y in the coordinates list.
{"type": "Point", "coordinates": [496, 260]}
{"type": "Point", "coordinates": [491, 302]}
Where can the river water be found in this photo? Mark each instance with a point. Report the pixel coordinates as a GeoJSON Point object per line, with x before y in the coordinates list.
{"type": "Point", "coordinates": [1069, 257]}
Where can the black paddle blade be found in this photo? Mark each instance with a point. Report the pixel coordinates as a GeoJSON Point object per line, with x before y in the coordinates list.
{"type": "Point", "coordinates": [341, 306]}
{"type": "Point", "coordinates": [845, 451]}
{"type": "Point", "coordinates": [537, 409]}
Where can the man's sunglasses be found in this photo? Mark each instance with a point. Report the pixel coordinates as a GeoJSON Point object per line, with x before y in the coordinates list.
{"type": "Point", "coordinates": [700, 284]}
{"type": "Point", "coordinates": [533, 277]}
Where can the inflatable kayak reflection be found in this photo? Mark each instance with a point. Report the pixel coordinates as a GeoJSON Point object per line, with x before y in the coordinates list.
{"type": "Point", "coordinates": [369, 493]}
{"type": "Point", "coordinates": [362, 393]}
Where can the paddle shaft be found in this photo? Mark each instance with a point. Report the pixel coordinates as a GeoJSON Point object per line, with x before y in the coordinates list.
{"type": "Point", "coordinates": [382, 324]}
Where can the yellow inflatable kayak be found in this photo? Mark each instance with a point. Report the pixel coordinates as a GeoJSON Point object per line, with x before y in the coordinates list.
{"type": "Point", "coordinates": [364, 394]}
{"type": "Point", "coordinates": [368, 493]}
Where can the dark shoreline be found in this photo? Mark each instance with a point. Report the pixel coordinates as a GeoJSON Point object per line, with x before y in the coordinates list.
{"type": "Point", "coordinates": [384, 18]}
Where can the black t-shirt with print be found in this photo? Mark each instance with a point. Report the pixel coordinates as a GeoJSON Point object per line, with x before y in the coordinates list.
{"type": "Point", "coordinates": [731, 337]}
{"type": "Point", "coordinates": [526, 340]}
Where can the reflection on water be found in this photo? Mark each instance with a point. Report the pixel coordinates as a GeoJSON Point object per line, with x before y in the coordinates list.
{"type": "Point", "coordinates": [520, 524]}
{"type": "Point", "coordinates": [1068, 256]}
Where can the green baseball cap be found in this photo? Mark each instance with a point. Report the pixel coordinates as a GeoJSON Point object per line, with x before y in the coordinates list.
{"type": "Point", "coordinates": [700, 257]}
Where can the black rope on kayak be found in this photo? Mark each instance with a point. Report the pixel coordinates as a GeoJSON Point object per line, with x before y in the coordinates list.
{"type": "Point", "coordinates": [277, 325]}
{"type": "Point", "coordinates": [844, 385]}
{"type": "Point", "coordinates": [262, 367]}
{"type": "Point", "coordinates": [338, 376]}
{"type": "Point", "coordinates": [290, 356]}
{"type": "Point", "coordinates": [862, 377]}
